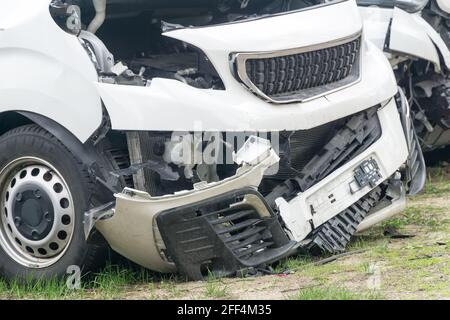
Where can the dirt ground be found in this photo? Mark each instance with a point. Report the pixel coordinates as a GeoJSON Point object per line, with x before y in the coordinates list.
{"type": "Point", "coordinates": [407, 257]}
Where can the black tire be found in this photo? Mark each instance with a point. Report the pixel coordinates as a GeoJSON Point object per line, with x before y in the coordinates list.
{"type": "Point", "coordinates": [33, 141]}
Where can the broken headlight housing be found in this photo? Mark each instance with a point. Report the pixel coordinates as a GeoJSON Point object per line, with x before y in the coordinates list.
{"type": "Point", "coordinates": [411, 6]}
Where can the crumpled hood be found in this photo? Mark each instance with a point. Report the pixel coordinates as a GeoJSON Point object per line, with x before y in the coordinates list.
{"type": "Point", "coordinates": [307, 27]}
{"type": "Point", "coordinates": [311, 26]}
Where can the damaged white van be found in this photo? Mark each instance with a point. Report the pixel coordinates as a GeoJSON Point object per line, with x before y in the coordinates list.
{"type": "Point", "coordinates": [202, 136]}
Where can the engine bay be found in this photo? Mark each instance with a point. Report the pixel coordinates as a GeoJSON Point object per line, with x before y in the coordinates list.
{"type": "Point", "coordinates": [133, 32]}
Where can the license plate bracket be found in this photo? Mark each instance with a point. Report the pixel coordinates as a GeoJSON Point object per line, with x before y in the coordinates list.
{"type": "Point", "coordinates": [368, 173]}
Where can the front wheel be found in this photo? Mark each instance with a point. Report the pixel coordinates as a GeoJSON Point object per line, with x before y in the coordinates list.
{"type": "Point", "coordinates": [44, 192]}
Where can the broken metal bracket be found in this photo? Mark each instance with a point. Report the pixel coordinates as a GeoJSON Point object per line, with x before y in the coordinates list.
{"type": "Point", "coordinates": [99, 213]}
{"type": "Point", "coordinates": [163, 169]}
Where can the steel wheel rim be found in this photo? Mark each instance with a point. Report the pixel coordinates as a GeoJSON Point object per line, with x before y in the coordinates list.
{"type": "Point", "coordinates": [42, 235]}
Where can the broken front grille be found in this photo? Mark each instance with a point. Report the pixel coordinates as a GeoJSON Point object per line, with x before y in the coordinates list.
{"type": "Point", "coordinates": [301, 74]}
{"type": "Point", "coordinates": [305, 162]}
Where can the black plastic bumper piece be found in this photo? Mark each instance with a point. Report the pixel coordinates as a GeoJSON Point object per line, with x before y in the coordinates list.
{"type": "Point", "coordinates": [334, 235]}
{"type": "Point", "coordinates": [223, 235]}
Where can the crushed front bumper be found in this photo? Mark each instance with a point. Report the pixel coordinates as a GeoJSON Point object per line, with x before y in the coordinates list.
{"type": "Point", "coordinates": [188, 230]}
{"type": "Point", "coordinates": [338, 192]}
{"type": "Point", "coordinates": [228, 226]}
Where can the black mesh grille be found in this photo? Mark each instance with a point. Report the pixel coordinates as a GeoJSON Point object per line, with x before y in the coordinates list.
{"type": "Point", "coordinates": [285, 77]}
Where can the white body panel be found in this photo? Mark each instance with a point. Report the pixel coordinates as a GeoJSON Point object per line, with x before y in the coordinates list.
{"type": "Point", "coordinates": [45, 70]}
{"type": "Point", "coordinates": [332, 195]}
{"type": "Point", "coordinates": [409, 37]}
{"type": "Point", "coordinates": [436, 38]}
{"type": "Point", "coordinates": [376, 24]}
{"type": "Point", "coordinates": [410, 34]}
{"type": "Point", "coordinates": [165, 104]}
{"type": "Point", "coordinates": [444, 5]}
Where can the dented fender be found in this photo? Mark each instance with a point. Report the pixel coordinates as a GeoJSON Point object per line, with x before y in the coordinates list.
{"type": "Point", "coordinates": [407, 33]}
{"type": "Point", "coordinates": [408, 36]}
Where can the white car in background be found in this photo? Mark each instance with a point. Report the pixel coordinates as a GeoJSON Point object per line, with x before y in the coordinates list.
{"type": "Point", "coordinates": [415, 35]}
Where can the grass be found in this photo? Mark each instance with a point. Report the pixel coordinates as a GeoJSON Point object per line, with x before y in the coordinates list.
{"type": "Point", "coordinates": [437, 182]}
{"type": "Point", "coordinates": [48, 290]}
{"type": "Point", "coordinates": [292, 264]}
{"type": "Point", "coordinates": [420, 215]}
{"type": "Point", "coordinates": [110, 283]}
{"type": "Point", "coordinates": [112, 280]}
{"type": "Point", "coordinates": [333, 293]}
{"type": "Point", "coordinates": [368, 268]}
{"type": "Point", "coordinates": [216, 290]}
{"type": "Point", "coordinates": [417, 267]}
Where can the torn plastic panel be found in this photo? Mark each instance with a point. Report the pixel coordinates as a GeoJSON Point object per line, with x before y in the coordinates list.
{"type": "Point", "coordinates": [393, 203]}
{"type": "Point", "coordinates": [416, 167]}
{"type": "Point", "coordinates": [356, 136]}
{"type": "Point", "coordinates": [223, 235]}
{"type": "Point", "coordinates": [311, 208]}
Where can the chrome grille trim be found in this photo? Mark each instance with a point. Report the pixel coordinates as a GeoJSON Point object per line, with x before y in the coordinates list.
{"type": "Point", "coordinates": [239, 68]}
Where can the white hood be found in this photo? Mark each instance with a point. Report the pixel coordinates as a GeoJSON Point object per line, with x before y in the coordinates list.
{"type": "Point", "coordinates": [277, 32]}
{"type": "Point", "coordinates": [292, 30]}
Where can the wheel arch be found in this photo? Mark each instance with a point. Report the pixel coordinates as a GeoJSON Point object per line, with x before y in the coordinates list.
{"type": "Point", "coordinates": [13, 119]}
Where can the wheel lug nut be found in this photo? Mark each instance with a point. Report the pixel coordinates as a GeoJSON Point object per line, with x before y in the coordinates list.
{"type": "Point", "coordinates": [37, 193]}
{"type": "Point", "coordinates": [47, 216]}
{"type": "Point", "coordinates": [18, 197]}
{"type": "Point", "coordinates": [17, 221]}
{"type": "Point", "coordinates": [34, 234]}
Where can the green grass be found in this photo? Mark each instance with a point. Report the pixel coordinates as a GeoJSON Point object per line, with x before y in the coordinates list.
{"type": "Point", "coordinates": [216, 290]}
{"type": "Point", "coordinates": [332, 293]}
{"type": "Point", "coordinates": [107, 284]}
{"type": "Point", "coordinates": [437, 182]}
{"type": "Point", "coordinates": [112, 280]}
{"type": "Point", "coordinates": [423, 216]}
{"type": "Point", "coordinates": [48, 290]}
{"type": "Point", "coordinates": [374, 239]}
{"type": "Point", "coordinates": [368, 268]}
{"type": "Point", "coordinates": [293, 264]}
